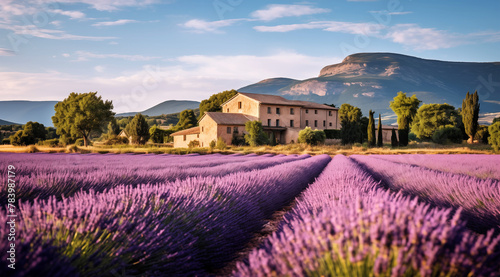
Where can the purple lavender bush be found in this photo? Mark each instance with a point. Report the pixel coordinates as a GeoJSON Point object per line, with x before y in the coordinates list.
{"type": "Point", "coordinates": [479, 198]}
{"type": "Point", "coordinates": [345, 224]}
{"type": "Point", "coordinates": [44, 175]}
{"type": "Point", "coordinates": [187, 227]}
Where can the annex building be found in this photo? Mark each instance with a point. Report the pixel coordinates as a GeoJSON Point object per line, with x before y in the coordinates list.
{"type": "Point", "coordinates": [283, 117]}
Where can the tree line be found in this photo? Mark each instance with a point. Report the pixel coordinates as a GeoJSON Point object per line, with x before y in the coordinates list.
{"type": "Point", "coordinates": [81, 116]}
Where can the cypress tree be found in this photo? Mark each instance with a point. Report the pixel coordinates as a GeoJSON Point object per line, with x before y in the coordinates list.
{"type": "Point", "coordinates": [371, 129]}
{"type": "Point", "coordinates": [272, 139]}
{"type": "Point", "coordinates": [394, 139]}
{"type": "Point", "coordinates": [380, 140]}
{"type": "Point", "coordinates": [470, 114]}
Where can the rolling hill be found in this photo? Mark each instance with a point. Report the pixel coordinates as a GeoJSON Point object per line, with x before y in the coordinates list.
{"type": "Point", "coordinates": [167, 107]}
{"type": "Point", "coordinates": [4, 122]}
{"type": "Point", "coordinates": [371, 80]}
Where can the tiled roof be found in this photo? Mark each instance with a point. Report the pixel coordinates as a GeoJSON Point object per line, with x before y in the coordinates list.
{"type": "Point", "coordinates": [278, 100]}
{"type": "Point", "coordinates": [230, 118]}
{"type": "Point", "coordinates": [190, 131]}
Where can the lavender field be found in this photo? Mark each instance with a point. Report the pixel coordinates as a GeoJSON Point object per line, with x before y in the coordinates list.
{"type": "Point", "coordinates": [193, 215]}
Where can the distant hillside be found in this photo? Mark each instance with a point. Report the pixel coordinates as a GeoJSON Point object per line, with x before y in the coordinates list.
{"type": "Point", "coordinates": [371, 80]}
{"type": "Point", "coordinates": [167, 107]}
{"type": "Point", "coordinates": [4, 122]}
{"type": "Point", "coordinates": [24, 111]}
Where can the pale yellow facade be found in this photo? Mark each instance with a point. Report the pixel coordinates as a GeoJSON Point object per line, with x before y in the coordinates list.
{"type": "Point", "coordinates": [285, 118]}
{"type": "Point", "coordinates": [182, 141]}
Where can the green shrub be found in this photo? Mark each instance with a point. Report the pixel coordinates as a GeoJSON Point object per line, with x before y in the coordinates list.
{"type": "Point", "coordinates": [49, 142]}
{"type": "Point", "coordinates": [482, 134]}
{"type": "Point", "coordinates": [115, 140]}
{"type": "Point", "coordinates": [221, 144]}
{"type": "Point", "coordinates": [32, 149]}
{"type": "Point", "coordinates": [6, 141]}
{"type": "Point", "coordinates": [447, 134]}
{"type": "Point", "coordinates": [332, 134]}
{"type": "Point", "coordinates": [212, 144]}
{"type": "Point", "coordinates": [312, 137]}
{"type": "Point", "coordinates": [193, 144]}
{"type": "Point", "coordinates": [494, 138]}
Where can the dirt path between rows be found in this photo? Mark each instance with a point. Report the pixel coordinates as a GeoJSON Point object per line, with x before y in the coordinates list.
{"type": "Point", "coordinates": [268, 229]}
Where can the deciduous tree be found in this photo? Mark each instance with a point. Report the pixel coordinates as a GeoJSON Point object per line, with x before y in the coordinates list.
{"type": "Point", "coordinates": [405, 108]}
{"type": "Point", "coordinates": [430, 117]}
{"type": "Point", "coordinates": [80, 114]}
{"type": "Point", "coordinates": [255, 134]}
{"type": "Point", "coordinates": [350, 118]}
{"type": "Point", "coordinates": [138, 129]}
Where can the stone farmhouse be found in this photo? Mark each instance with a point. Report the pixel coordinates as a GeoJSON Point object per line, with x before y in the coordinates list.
{"type": "Point", "coordinates": [283, 117]}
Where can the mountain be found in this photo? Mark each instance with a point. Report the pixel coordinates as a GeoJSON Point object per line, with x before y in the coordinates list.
{"type": "Point", "coordinates": [4, 122]}
{"type": "Point", "coordinates": [24, 111]}
{"type": "Point", "coordinates": [371, 80]}
{"type": "Point", "coordinates": [167, 107]}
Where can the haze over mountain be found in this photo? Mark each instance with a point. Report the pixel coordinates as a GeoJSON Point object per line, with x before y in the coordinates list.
{"type": "Point", "coordinates": [24, 111]}
{"type": "Point", "coordinates": [20, 112]}
{"type": "Point", "coordinates": [371, 80]}
{"type": "Point", "coordinates": [167, 107]}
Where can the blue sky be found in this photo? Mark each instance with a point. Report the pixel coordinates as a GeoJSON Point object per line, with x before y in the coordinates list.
{"type": "Point", "coordinates": [139, 53]}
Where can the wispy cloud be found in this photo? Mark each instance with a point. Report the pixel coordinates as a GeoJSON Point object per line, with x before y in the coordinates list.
{"type": "Point", "coordinates": [114, 23]}
{"type": "Point", "coordinates": [186, 77]}
{"type": "Point", "coordinates": [71, 14]}
{"type": "Point", "coordinates": [272, 12]}
{"type": "Point", "coordinates": [85, 56]}
{"type": "Point", "coordinates": [6, 52]}
{"type": "Point", "coordinates": [202, 26]}
{"type": "Point", "coordinates": [110, 5]}
{"type": "Point", "coordinates": [330, 26]}
{"type": "Point", "coordinates": [391, 13]}
{"type": "Point", "coordinates": [34, 31]}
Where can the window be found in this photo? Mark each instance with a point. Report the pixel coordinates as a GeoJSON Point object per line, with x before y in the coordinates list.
{"type": "Point", "coordinates": [184, 137]}
{"type": "Point", "coordinates": [197, 135]}
{"type": "Point", "coordinates": [315, 123]}
{"type": "Point", "coordinates": [291, 111]}
{"type": "Point", "coordinates": [330, 113]}
{"type": "Point", "coordinates": [202, 129]}
{"type": "Point", "coordinates": [227, 109]}
{"type": "Point", "coordinates": [324, 123]}
{"type": "Point", "coordinates": [269, 122]}
{"type": "Point", "coordinates": [330, 124]}
{"type": "Point", "coordinates": [307, 111]}
{"type": "Point", "coordinates": [239, 105]}
{"type": "Point", "coordinates": [269, 110]}
{"type": "Point", "coordinates": [229, 130]}
{"type": "Point", "coordinates": [277, 110]}
{"type": "Point", "coordinates": [307, 122]}
{"type": "Point", "coordinates": [315, 111]}
{"type": "Point", "coordinates": [277, 122]}
{"type": "Point", "coordinates": [291, 123]}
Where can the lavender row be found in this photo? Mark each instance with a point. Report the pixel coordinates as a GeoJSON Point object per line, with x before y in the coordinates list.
{"type": "Point", "coordinates": [477, 165]}
{"type": "Point", "coordinates": [187, 227]}
{"type": "Point", "coordinates": [345, 224]}
{"type": "Point", "coordinates": [55, 163]}
{"type": "Point", "coordinates": [126, 170]}
{"type": "Point", "coordinates": [479, 198]}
